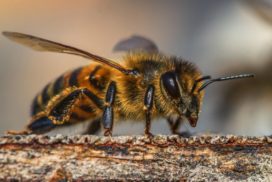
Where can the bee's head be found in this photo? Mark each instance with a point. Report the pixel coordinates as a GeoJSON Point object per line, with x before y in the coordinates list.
{"type": "Point", "coordinates": [185, 92]}
{"type": "Point", "coordinates": [178, 91]}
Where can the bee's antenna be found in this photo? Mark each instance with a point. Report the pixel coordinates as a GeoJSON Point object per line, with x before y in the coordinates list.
{"type": "Point", "coordinates": [224, 79]}
{"type": "Point", "coordinates": [199, 80]}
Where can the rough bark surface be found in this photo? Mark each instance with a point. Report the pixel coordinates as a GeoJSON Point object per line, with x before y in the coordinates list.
{"type": "Point", "coordinates": [135, 158]}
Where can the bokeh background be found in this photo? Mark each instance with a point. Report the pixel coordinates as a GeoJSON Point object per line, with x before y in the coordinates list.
{"type": "Point", "coordinates": [222, 37]}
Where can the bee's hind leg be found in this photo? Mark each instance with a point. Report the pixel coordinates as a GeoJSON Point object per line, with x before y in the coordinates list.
{"type": "Point", "coordinates": [39, 124]}
{"type": "Point", "coordinates": [59, 110]}
{"type": "Point", "coordinates": [148, 104]}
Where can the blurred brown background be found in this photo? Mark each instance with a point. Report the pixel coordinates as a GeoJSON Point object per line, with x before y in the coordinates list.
{"type": "Point", "coordinates": [221, 37]}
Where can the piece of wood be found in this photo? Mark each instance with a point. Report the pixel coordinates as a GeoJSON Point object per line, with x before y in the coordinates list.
{"type": "Point", "coordinates": [134, 158]}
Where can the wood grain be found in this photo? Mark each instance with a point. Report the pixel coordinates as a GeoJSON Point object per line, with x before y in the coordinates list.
{"type": "Point", "coordinates": [135, 158]}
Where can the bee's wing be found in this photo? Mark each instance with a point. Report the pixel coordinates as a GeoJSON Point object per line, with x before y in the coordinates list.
{"type": "Point", "coordinates": [41, 44]}
{"type": "Point", "coordinates": [136, 43]}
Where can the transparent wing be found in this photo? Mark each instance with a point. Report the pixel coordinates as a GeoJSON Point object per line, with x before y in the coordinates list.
{"type": "Point", "coordinates": [40, 44]}
{"type": "Point", "coordinates": [136, 43]}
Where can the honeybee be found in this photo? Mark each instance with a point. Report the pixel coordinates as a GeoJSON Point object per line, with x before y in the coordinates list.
{"type": "Point", "coordinates": [147, 85]}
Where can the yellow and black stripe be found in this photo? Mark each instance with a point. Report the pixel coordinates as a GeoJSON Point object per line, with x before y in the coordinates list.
{"type": "Point", "coordinates": [94, 77]}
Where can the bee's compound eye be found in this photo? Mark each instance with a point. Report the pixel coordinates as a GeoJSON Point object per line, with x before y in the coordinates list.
{"type": "Point", "coordinates": [170, 84]}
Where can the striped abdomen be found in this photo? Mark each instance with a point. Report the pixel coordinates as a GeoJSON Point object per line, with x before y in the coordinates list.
{"type": "Point", "coordinates": [94, 77]}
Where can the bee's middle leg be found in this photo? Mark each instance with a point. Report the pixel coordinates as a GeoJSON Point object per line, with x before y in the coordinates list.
{"type": "Point", "coordinates": [148, 104]}
{"type": "Point", "coordinates": [108, 115]}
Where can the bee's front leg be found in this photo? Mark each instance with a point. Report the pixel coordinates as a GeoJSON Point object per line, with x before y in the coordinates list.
{"type": "Point", "coordinates": [108, 115]}
{"type": "Point", "coordinates": [174, 126]}
{"type": "Point", "coordinates": [148, 104]}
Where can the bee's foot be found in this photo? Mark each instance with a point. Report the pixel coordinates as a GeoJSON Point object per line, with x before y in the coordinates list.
{"type": "Point", "coordinates": [184, 134]}
{"type": "Point", "coordinates": [149, 135]}
{"type": "Point", "coordinates": [108, 132]}
{"type": "Point", "coordinates": [14, 132]}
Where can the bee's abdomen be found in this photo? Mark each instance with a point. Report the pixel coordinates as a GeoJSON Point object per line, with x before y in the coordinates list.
{"type": "Point", "coordinates": [94, 77]}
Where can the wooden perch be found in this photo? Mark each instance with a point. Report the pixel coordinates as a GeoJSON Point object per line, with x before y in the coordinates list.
{"type": "Point", "coordinates": [135, 158]}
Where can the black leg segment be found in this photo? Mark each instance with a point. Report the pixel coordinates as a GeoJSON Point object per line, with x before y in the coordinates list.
{"type": "Point", "coordinates": [107, 117]}
{"type": "Point", "coordinates": [174, 126]}
{"type": "Point", "coordinates": [62, 111]}
{"type": "Point", "coordinates": [41, 125]}
{"type": "Point", "coordinates": [148, 104]}
{"type": "Point", "coordinates": [58, 115]}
